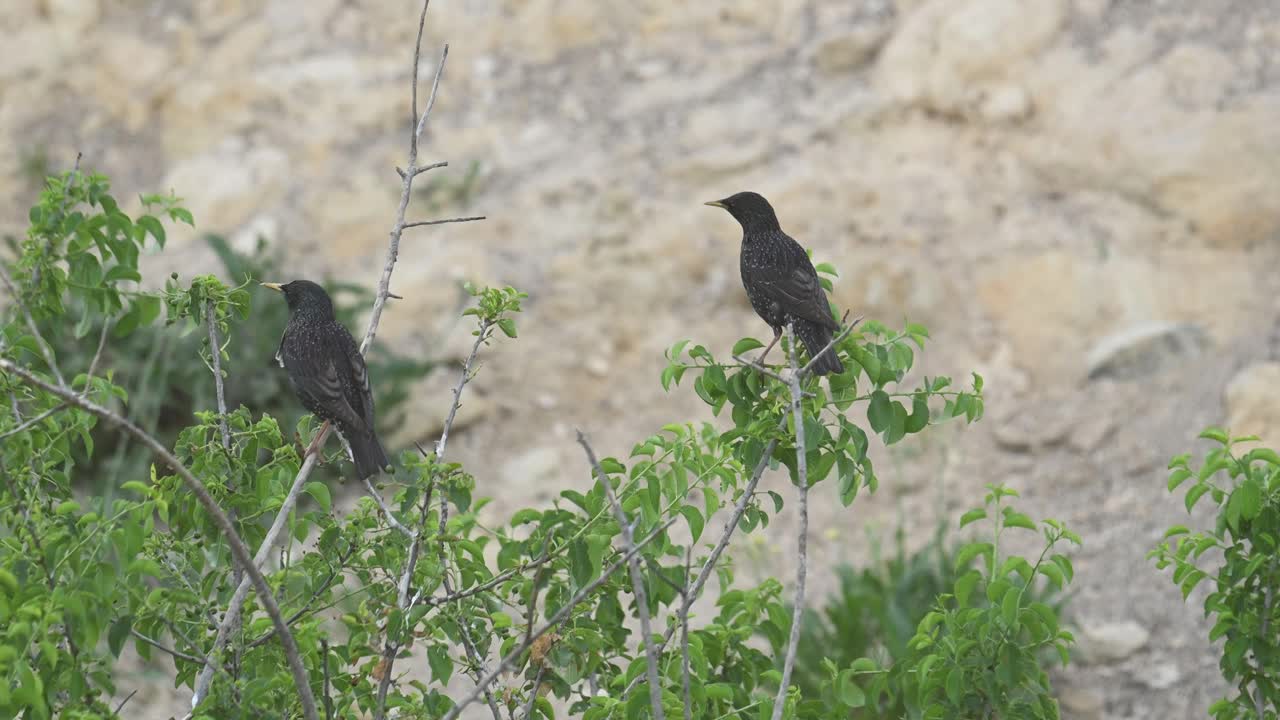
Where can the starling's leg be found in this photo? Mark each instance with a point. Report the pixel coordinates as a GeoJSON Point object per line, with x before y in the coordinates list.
{"type": "Point", "coordinates": [777, 334]}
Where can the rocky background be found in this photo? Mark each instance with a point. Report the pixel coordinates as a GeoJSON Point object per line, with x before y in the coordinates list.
{"type": "Point", "coordinates": [1081, 200]}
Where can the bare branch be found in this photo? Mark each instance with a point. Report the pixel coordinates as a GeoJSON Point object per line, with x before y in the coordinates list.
{"type": "Point", "coordinates": [386, 511]}
{"type": "Point", "coordinates": [435, 86]}
{"type": "Point", "coordinates": [637, 580]}
{"type": "Point", "coordinates": [97, 355]}
{"type": "Point", "coordinates": [123, 702]}
{"type": "Point", "coordinates": [328, 701]}
{"type": "Point", "coordinates": [533, 693]}
{"type": "Point", "coordinates": [215, 351]}
{"type": "Point", "coordinates": [424, 168]}
{"type": "Point", "coordinates": [510, 658]}
{"type": "Point", "coordinates": [33, 421]}
{"type": "Point", "coordinates": [802, 489]}
{"type": "Point", "coordinates": [424, 223]}
{"type": "Point", "coordinates": [463, 379]}
{"type": "Point", "coordinates": [45, 348]}
{"type": "Point", "coordinates": [168, 650]}
{"type": "Point", "coordinates": [197, 488]}
{"type": "Point", "coordinates": [684, 636]}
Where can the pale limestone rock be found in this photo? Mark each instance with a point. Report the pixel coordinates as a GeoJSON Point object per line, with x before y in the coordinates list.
{"type": "Point", "coordinates": [1111, 641]}
{"type": "Point", "coordinates": [224, 187]}
{"type": "Point", "coordinates": [1253, 402]}
{"type": "Point", "coordinates": [946, 53]}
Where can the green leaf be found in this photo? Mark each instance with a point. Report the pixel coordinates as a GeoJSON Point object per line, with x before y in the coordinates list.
{"type": "Point", "coordinates": [152, 226]}
{"type": "Point", "coordinates": [441, 664]}
{"type": "Point", "coordinates": [694, 518]}
{"type": "Point", "coordinates": [500, 620]}
{"type": "Point", "coordinates": [320, 492]}
{"type": "Point", "coordinates": [579, 563]}
{"type": "Point", "coordinates": [745, 345]}
{"type": "Point", "coordinates": [1216, 434]}
{"type": "Point", "coordinates": [118, 633]}
{"type": "Point", "coordinates": [850, 694]}
{"type": "Point", "coordinates": [1013, 518]}
{"type": "Point", "coordinates": [955, 685]}
{"type": "Point", "coordinates": [880, 411]}
{"type": "Point", "coordinates": [1177, 477]}
{"type": "Point", "coordinates": [122, 272]}
{"type": "Point", "coordinates": [965, 585]}
{"type": "Point", "coordinates": [1009, 608]}
{"type": "Point", "coordinates": [973, 516]}
{"type": "Point", "coordinates": [508, 327]}
{"type": "Point", "coordinates": [971, 551]}
{"type": "Point", "coordinates": [897, 424]}
{"type": "Point", "coordinates": [919, 414]}
{"type": "Point", "coordinates": [1194, 495]}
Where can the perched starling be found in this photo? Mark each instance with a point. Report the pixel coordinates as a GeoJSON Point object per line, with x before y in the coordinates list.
{"type": "Point", "coordinates": [780, 280]}
{"type": "Point", "coordinates": [328, 372]}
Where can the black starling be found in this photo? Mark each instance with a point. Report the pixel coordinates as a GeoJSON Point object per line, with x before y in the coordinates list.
{"type": "Point", "coordinates": [780, 280]}
{"type": "Point", "coordinates": [328, 372]}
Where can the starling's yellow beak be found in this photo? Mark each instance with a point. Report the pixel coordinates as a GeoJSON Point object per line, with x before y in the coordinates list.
{"type": "Point", "coordinates": [273, 286]}
{"type": "Point", "coordinates": [715, 203]}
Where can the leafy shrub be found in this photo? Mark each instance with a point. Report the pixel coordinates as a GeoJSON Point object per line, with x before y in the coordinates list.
{"type": "Point", "coordinates": [1245, 488]}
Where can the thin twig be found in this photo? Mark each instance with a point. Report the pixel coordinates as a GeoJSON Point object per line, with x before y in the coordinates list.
{"type": "Point", "coordinates": [802, 489]}
{"type": "Point", "coordinates": [684, 636]}
{"type": "Point", "coordinates": [324, 658]}
{"type": "Point", "coordinates": [386, 511]}
{"type": "Point", "coordinates": [509, 659]}
{"type": "Point", "coordinates": [834, 341]}
{"type": "Point", "coordinates": [45, 348]}
{"type": "Point", "coordinates": [324, 586]}
{"type": "Point", "coordinates": [463, 379]}
{"type": "Point", "coordinates": [126, 699]}
{"type": "Point", "coordinates": [97, 355]}
{"type": "Point", "coordinates": [533, 693]}
{"type": "Point", "coordinates": [1267, 598]}
{"type": "Point", "coordinates": [168, 650]}
{"type": "Point", "coordinates": [637, 580]}
{"type": "Point", "coordinates": [215, 351]}
{"type": "Point", "coordinates": [35, 420]}
{"type": "Point", "coordinates": [197, 488]}
{"type": "Point", "coordinates": [424, 223]}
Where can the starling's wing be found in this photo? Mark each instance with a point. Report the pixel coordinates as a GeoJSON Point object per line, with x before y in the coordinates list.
{"type": "Point", "coordinates": [793, 284]}
{"type": "Point", "coordinates": [324, 382]}
{"type": "Point", "coordinates": [359, 394]}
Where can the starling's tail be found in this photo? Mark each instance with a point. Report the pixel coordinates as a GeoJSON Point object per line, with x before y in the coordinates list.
{"type": "Point", "coordinates": [815, 338]}
{"type": "Point", "coordinates": [368, 455]}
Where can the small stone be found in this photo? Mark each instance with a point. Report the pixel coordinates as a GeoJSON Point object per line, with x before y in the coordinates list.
{"type": "Point", "coordinates": [1025, 430]}
{"type": "Point", "coordinates": [1005, 103]}
{"type": "Point", "coordinates": [597, 366]}
{"type": "Point", "coordinates": [532, 466]}
{"type": "Point", "coordinates": [1082, 703]}
{"type": "Point", "coordinates": [1161, 676]}
{"type": "Point", "coordinates": [1112, 641]}
{"type": "Point", "coordinates": [1145, 349]}
{"type": "Point", "coordinates": [1089, 433]}
{"type": "Point", "coordinates": [851, 50]}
